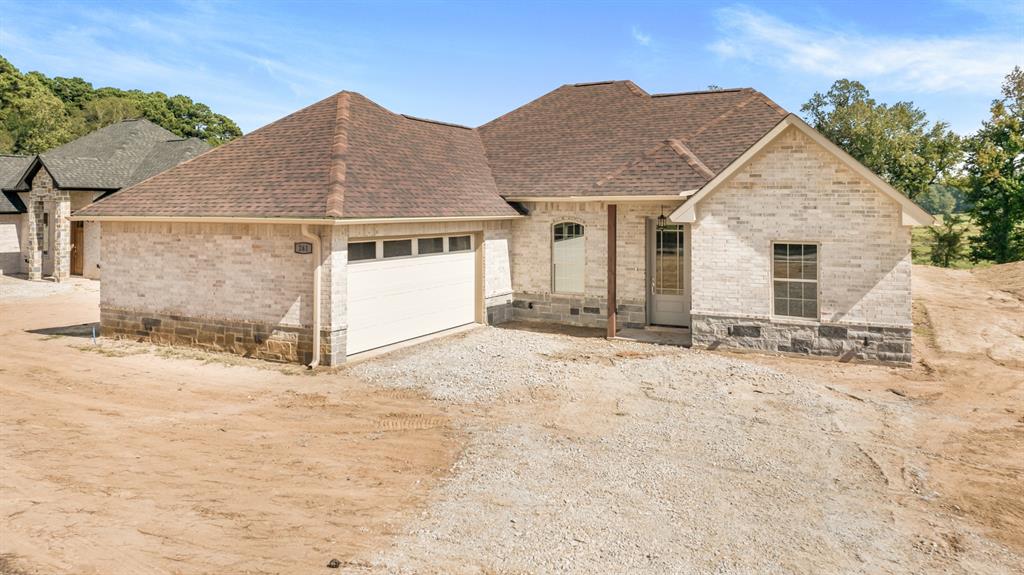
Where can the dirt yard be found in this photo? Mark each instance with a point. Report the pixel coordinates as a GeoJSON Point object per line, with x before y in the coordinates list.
{"type": "Point", "coordinates": [513, 451]}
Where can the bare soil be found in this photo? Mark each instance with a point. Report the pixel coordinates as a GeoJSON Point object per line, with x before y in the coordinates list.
{"type": "Point", "coordinates": [118, 460]}
{"type": "Point", "coordinates": [507, 451]}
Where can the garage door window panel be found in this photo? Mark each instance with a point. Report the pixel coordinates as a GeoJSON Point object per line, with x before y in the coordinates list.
{"type": "Point", "coordinates": [427, 246]}
{"type": "Point", "coordinates": [460, 244]}
{"type": "Point", "coordinates": [362, 251]}
{"type": "Point", "coordinates": [397, 248]}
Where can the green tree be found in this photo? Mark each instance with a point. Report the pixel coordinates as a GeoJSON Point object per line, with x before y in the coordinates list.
{"type": "Point", "coordinates": [32, 119]}
{"type": "Point", "coordinates": [895, 141]}
{"type": "Point", "coordinates": [948, 240]}
{"type": "Point", "coordinates": [106, 110]}
{"type": "Point", "coordinates": [38, 113]}
{"type": "Point", "coordinates": [995, 177]}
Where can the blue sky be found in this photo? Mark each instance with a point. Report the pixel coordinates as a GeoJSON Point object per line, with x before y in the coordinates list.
{"type": "Point", "coordinates": [470, 62]}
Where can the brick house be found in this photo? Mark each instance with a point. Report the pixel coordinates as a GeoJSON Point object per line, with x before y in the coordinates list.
{"type": "Point", "coordinates": [40, 192]}
{"type": "Point", "coordinates": [345, 227]}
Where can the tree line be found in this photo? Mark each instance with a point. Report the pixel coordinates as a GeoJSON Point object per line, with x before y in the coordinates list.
{"type": "Point", "coordinates": [38, 113]}
{"type": "Point", "coordinates": [976, 179]}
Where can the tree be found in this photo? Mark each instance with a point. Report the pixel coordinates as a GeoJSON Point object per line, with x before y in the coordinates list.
{"type": "Point", "coordinates": [32, 119]}
{"type": "Point", "coordinates": [947, 240]}
{"type": "Point", "coordinates": [895, 141]}
{"type": "Point", "coordinates": [38, 113]}
{"type": "Point", "coordinates": [995, 176]}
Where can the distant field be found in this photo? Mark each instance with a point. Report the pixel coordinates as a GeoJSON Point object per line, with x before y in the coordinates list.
{"type": "Point", "coordinates": [921, 246]}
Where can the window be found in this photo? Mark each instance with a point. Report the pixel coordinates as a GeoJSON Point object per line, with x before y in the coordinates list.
{"type": "Point", "coordinates": [795, 280]}
{"type": "Point", "coordinates": [46, 232]}
{"type": "Point", "coordinates": [567, 257]}
{"type": "Point", "coordinates": [430, 245]}
{"type": "Point", "coordinates": [459, 244]}
{"type": "Point", "coordinates": [360, 251]}
{"type": "Point", "coordinates": [397, 248]}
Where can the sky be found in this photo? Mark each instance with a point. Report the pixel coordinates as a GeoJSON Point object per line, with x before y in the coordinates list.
{"type": "Point", "coordinates": [469, 62]}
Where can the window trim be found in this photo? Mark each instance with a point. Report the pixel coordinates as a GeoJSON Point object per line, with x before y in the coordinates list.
{"type": "Point", "coordinates": [551, 242]}
{"type": "Point", "coordinates": [771, 282]}
{"type": "Point", "coordinates": [379, 246]}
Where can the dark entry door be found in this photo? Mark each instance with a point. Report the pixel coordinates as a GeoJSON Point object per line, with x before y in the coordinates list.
{"type": "Point", "coordinates": [77, 247]}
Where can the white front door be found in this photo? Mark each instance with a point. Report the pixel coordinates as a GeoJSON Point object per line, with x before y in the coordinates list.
{"type": "Point", "coordinates": [670, 290]}
{"type": "Point", "coordinates": [396, 299]}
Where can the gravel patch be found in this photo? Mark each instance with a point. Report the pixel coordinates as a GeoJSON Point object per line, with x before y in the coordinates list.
{"type": "Point", "coordinates": [16, 287]}
{"type": "Point", "coordinates": [647, 459]}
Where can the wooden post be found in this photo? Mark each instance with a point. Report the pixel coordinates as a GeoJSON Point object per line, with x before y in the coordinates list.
{"type": "Point", "coordinates": [612, 263]}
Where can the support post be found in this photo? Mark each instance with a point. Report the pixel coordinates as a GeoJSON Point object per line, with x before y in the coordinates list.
{"type": "Point", "coordinates": [612, 264]}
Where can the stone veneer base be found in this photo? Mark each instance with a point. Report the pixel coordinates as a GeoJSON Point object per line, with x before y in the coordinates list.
{"type": "Point", "coordinates": [291, 344]}
{"type": "Point", "coordinates": [889, 345]}
{"type": "Point", "coordinates": [581, 310]}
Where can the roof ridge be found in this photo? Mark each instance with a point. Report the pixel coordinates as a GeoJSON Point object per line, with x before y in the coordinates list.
{"type": "Point", "coordinates": [694, 92]}
{"type": "Point", "coordinates": [720, 117]}
{"type": "Point", "coordinates": [429, 121]}
{"type": "Point", "coordinates": [339, 150]}
{"type": "Point", "coordinates": [691, 158]}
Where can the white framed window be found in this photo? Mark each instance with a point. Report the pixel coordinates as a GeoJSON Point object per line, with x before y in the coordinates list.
{"type": "Point", "coordinates": [567, 257]}
{"type": "Point", "coordinates": [397, 248]}
{"type": "Point", "coordinates": [795, 280]}
{"type": "Point", "coordinates": [425, 246]}
{"type": "Point", "coordinates": [359, 251]}
{"type": "Point", "coordinates": [460, 244]}
{"type": "Point", "coordinates": [366, 250]}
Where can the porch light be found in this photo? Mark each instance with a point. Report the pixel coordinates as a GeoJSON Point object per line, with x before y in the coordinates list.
{"type": "Point", "coordinates": [662, 220]}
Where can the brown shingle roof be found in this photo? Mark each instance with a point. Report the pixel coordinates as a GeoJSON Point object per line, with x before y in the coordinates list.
{"type": "Point", "coordinates": [576, 140]}
{"type": "Point", "coordinates": [347, 157]}
{"type": "Point", "coordinates": [343, 157]}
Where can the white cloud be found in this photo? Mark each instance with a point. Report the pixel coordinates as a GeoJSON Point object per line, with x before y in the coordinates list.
{"type": "Point", "coordinates": [640, 37]}
{"type": "Point", "coordinates": [934, 64]}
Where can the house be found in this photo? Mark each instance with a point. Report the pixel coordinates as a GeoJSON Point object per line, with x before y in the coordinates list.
{"type": "Point", "coordinates": [40, 192]}
{"type": "Point", "coordinates": [345, 227]}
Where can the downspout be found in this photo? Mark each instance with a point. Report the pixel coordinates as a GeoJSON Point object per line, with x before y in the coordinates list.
{"type": "Point", "coordinates": [317, 248]}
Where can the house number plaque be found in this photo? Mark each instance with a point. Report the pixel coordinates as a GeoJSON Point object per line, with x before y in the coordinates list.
{"type": "Point", "coordinates": [303, 247]}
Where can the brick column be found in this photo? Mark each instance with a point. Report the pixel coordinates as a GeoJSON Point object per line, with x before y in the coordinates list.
{"type": "Point", "coordinates": [61, 234]}
{"type": "Point", "coordinates": [335, 295]}
{"type": "Point", "coordinates": [35, 239]}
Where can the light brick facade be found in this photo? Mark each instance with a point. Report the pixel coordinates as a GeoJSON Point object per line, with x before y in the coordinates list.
{"type": "Point", "coordinates": [242, 287]}
{"type": "Point", "coordinates": [796, 191]}
{"type": "Point", "coordinates": [531, 262]}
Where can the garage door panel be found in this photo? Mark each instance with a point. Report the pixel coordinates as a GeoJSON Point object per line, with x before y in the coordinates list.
{"type": "Point", "coordinates": [395, 300]}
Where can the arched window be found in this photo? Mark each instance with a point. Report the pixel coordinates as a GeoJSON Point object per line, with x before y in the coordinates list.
{"type": "Point", "coordinates": [567, 257]}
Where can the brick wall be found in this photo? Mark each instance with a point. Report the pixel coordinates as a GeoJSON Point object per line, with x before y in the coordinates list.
{"type": "Point", "coordinates": [227, 271]}
{"type": "Point", "coordinates": [796, 191]}
{"type": "Point", "coordinates": [241, 288]}
{"type": "Point", "coordinates": [531, 262]}
{"type": "Point", "coordinates": [12, 243]}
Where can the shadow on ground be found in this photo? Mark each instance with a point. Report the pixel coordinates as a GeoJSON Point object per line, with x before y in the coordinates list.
{"type": "Point", "coordinates": [80, 330]}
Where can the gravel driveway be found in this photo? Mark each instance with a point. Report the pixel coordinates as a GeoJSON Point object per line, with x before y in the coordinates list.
{"type": "Point", "coordinates": [590, 456]}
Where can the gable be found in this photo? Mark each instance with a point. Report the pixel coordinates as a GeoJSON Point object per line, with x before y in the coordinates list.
{"type": "Point", "coordinates": [838, 168]}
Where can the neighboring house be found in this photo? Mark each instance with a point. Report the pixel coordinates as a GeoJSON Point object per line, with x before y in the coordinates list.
{"type": "Point", "coordinates": [41, 192]}
{"type": "Point", "coordinates": [345, 227]}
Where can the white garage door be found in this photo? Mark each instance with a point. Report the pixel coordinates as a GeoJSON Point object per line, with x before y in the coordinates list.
{"type": "Point", "coordinates": [399, 289]}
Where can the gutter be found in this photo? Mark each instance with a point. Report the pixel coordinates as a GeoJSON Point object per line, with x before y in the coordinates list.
{"type": "Point", "coordinates": [289, 221]}
{"type": "Point", "coordinates": [317, 252]}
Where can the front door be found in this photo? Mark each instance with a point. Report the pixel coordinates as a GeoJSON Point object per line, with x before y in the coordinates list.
{"type": "Point", "coordinates": [77, 247]}
{"type": "Point", "coordinates": [670, 290]}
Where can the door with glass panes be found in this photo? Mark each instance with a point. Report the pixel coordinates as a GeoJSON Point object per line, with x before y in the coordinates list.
{"type": "Point", "coordinates": [670, 289]}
